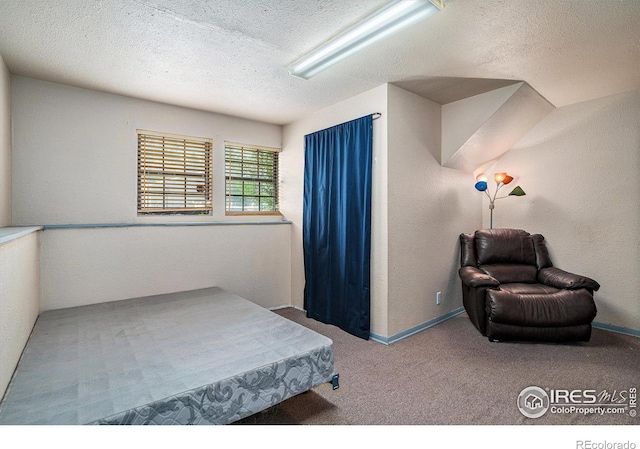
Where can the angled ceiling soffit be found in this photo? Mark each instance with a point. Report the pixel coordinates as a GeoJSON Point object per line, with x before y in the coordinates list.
{"type": "Point", "coordinates": [481, 128]}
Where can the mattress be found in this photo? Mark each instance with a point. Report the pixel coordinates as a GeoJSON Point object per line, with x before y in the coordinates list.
{"type": "Point", "coordinates": [199, 357]}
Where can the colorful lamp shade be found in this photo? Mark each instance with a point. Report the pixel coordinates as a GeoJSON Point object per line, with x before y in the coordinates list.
{"type": "Point", "coordinates": [481, 186]}
{"type": "Point", "coordinates": [501, 180]}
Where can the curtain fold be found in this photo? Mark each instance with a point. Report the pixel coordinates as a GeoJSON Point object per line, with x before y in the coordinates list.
{"type": "Point", "coordinates": [337, 225]}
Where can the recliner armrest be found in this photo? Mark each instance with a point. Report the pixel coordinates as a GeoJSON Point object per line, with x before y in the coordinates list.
{"type": "Point", "coordinates": [475, 278]}
{"type": "Point", "coordinates": [555, 277]}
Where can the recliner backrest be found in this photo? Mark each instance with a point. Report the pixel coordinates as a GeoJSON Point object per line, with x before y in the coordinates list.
{"type": "Point", "coordinates": [509, 255]}
{"type": "Point", "coordinates": [504, 246]}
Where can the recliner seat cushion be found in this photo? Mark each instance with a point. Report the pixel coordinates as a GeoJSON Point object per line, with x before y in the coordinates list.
{"type": "Point", "coordinates": [506, 273]}
{"type": "Point", "coordinates": [528, 289]}
{"type": "Point", "coordinates": [560, 308]}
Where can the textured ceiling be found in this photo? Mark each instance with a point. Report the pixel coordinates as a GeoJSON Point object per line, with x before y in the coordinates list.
{"type": "Point", "coordinates": [230, 56]}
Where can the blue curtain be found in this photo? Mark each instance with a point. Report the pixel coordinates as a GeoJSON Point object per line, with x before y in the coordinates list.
{"type": "Point", "coordinates": [337, 225]}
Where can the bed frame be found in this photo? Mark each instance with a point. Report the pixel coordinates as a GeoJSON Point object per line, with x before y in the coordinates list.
{"type": "Point", "coordinates": [198, 357]}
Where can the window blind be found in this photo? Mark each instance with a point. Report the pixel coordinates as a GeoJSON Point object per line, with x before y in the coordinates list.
{"type": "Point", "coordinates": [251, 179]}
{"type": "Point", "coordinates": [174, 174]}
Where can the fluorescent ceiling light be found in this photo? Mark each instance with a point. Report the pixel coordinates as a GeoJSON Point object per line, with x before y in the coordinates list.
{"type": "Point", "coordinates": [387, 20]}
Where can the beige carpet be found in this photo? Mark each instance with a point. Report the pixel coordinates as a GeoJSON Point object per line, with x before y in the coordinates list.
{"type": "Point", "coordinates": [451, 375]}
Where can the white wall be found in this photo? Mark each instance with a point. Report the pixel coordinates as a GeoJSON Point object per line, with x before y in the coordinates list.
{"type": "Point", "coordinates": [292, 173]}
{"type": "Point", "coordinates": [74, 162]}
{"type": "Point", "coordinates": [429, 206]}
{"type": "Point", "coordinates": [5, 145]}
{"type": "Point", "coordinates": [19, 300]}
{"type": "Point", "coordinates": [580, 168]}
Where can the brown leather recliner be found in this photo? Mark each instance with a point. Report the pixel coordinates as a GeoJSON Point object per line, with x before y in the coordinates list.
{"type": "Point", "coordinates": [512, 291]}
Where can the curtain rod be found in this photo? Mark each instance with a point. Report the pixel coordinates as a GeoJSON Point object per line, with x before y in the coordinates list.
{"type": "Point", "coordinates": [375, 115]}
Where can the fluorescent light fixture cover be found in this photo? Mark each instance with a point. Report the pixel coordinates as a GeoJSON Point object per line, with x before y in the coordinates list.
{"type": "Point", "coordinates": [384, 22]}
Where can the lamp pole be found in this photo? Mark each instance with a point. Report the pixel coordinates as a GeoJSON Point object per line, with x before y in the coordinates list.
{"type": "Point", "coordinates": [491, 206]}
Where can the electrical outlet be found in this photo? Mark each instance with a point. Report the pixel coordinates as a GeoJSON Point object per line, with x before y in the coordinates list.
{"type": "Point", "coordinates": [438, 298]}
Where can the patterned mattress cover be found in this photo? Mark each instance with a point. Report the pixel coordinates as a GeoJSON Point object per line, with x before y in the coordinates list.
{"type": "Point", "coordinates": [199, 357]}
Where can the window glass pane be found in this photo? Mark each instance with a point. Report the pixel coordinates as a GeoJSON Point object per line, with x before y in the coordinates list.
{"type": "Point", "coordinates": [266, 204]}
{"type": "Point", "coordinates": [252, 175]}
{"type": "Point", "coordinates": [250, 203]}
{"type": "Point", "coordinates": [234, 203]}
{"type": "Point", "coordinates": [266, 189]}
{"type": "Point", "coordinates": [234, 187]}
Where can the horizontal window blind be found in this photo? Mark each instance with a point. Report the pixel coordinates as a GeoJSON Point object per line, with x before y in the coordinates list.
{"type": "Point", "coordinates": [251, 179]}
{"type": "Point", "coordinates": [174, 174]}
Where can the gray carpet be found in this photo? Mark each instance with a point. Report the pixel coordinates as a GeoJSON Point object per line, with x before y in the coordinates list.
{"type": "Point", "coordinates": [452, 375]}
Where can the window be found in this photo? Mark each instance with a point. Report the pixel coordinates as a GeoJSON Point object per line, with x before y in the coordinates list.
{"type": "Point", "coordinates": [251, 179]}
{"type": "Point", "coordinates": [174, 174]}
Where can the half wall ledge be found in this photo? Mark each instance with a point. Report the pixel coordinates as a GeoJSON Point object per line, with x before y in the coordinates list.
{"type": "Point", "coordinates": [10, 233]}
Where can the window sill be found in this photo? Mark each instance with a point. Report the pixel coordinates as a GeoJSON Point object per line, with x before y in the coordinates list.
{"type": "Point", "coordinates": [185, 223]}
{"type": "Point", "coordinates": [235, 214]}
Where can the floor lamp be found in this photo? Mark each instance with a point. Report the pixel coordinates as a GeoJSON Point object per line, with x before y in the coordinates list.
{"type": "Point", "coordinates": [501, 179]}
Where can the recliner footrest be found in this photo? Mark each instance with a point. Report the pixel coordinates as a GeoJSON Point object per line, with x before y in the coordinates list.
{"type": "Point", "coordinates": [507, 332]}
{"type": "Point", "coordinates": [559, 309]}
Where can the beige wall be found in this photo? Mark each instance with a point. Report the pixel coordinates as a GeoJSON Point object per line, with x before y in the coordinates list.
{"type": "Point", "coordinates": [429, 206]}
{"type": "Point", "coordinates": [580, 168]}
{"type": "Point", "coordinates": [419, 208]}
{"type": "Point", "coordinates": [463, 118]}
{"type": "Point", "coordinates": [19, 300]}
{"type": "Point", "coordinates": [87, 266]}
{"type": "Point", "coordinates": [74, 162]}
{"type": "Point", "coordinates": [5, 145]}
{"type": "Point", "coordinates": [75, 153]}
{"type": "Point", "coordinates": [292, 172]}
